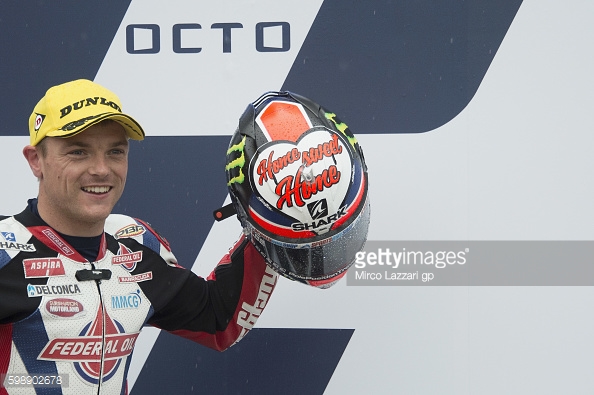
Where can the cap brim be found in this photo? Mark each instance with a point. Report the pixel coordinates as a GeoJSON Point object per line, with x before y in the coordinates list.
{"type": "Point", "coordinates": [132, 128]}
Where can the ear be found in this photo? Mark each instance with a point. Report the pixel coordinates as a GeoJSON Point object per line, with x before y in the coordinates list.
{"type": "Point", "coordinates": [33, 157]}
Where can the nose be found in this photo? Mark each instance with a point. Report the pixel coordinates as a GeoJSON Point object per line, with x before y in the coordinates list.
{"type": "Point", "coordinates": [99, 166]}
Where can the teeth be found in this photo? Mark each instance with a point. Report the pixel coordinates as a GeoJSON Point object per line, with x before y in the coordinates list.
{"type": "Point", "coordinates": [96, 189]}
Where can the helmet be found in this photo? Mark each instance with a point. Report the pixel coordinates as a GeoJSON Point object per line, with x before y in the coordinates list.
{"type": "Point", "coordinates": [298, 183]}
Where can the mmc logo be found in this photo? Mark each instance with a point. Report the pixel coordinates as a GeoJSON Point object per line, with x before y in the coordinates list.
{"type": "Point", "coordinates": [93, 348]}
{"type": "Point", "coordinates": [130, 301]}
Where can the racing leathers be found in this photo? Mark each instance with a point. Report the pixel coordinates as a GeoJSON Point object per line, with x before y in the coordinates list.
{"type": "Point", "coordinates": [74, 323]}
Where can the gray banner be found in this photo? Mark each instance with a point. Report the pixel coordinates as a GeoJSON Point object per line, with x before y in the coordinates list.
{"type": "Point", "coordinates": [476, 263]}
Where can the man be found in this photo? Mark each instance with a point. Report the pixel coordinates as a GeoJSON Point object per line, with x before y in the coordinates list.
{"type": "Point", "coordinates": [77, 283]}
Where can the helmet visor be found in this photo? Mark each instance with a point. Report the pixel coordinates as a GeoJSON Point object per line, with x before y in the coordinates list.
{"type": "Point", "coordinates": [319, 260]}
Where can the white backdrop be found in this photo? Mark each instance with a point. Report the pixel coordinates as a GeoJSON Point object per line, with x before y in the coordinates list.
{"type": "Point", "coordinates": [515, 164]}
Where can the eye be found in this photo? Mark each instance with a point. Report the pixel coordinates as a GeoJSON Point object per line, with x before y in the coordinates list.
{"type": "Point", "coordinates": [117, 151]}
{"type": "Point", "coordinates": [76, 152]}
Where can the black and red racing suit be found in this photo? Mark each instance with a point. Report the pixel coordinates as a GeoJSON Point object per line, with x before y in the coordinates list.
{"type": "Point", "coordinates": [77, 321]}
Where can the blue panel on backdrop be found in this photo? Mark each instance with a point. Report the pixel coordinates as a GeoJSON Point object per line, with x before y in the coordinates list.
{"type": "Point", "coordinates": [175, 183]}
{"type": "Point", "coordinates": [266, 361]}
{"type": "Point", "coordinates": [399, 66]}
{"type": "Point", "coordinates": [45, 43]}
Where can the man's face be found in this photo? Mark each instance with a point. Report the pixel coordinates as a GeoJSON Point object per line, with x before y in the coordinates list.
{"type": "Point", "coordinates": [82, 177]}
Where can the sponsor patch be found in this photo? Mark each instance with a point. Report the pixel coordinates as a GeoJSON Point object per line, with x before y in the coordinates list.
{"type": "Point", "coordinates": [64, 307]}
{"type": "Point", "coordinates": [320, 223]}
{"type": "Point", "coordinates": [34, 291]}
{"type": "Point", "coordinates": [249, 314]}
{"type": "Point", "coordinates": [39, 118]}
{"type": "Point", "coordinates": [96, 352]}
{"type": "Point", "coordinates": [318, 209]}
{"type": "Point", "coordinates": [137, 278]}
{"type": "Point", "coordinates": [11, 245]}
{"type": "Point", "coordinates": [43, 267]}
{"type": "Point", "coordinates": [130, 231]}
{"type": "Point", "coordinates": [88, 349]}
{"type": "Point", "coordinates": [129, 301]}
{"type": "Point", "coordinates": [58, 242]}
{"type": "Point", "coordinates": [127, 258]}
{"type": "Point", "coordinates": [8, 236]}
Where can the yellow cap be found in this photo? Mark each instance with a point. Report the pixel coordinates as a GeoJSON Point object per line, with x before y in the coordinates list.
{"type": "Point", "coordinates": [72, 107]}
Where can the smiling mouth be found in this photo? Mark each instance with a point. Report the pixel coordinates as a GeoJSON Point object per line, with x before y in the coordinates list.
{"type": "Point", "coordinates": [96, 190]}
